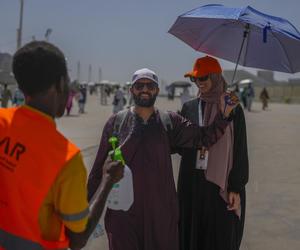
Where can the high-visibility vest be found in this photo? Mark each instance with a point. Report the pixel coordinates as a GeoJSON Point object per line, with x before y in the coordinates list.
{"type": "Point", "coordinates": [32, 154]}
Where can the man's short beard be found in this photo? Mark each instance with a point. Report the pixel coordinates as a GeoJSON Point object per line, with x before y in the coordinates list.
{"type": "Point", "coordinates": [146, 103]}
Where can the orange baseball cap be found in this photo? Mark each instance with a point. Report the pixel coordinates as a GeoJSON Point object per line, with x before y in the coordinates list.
{"type": "Point", "coordinates": [204, 66]}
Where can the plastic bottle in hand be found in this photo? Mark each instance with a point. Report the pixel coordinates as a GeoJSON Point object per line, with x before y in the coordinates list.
{"type": "Point", "coordinates": [99, 231]}
{"type": "Point", "coordinates": [121, 195]}
{"type": "Point", "coordinates": [230, 99]}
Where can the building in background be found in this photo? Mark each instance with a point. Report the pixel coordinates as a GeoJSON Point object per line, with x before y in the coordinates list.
{"type": "Point", "coordinates": [279, 91]}
{"type": "Point", "coordinates": [6, 76]}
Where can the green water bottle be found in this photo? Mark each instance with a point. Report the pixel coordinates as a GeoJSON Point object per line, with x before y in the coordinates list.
{"type": "Point", "coordinates": [116, 153]}
{"type": "Point", "coordinates": [121, 196]}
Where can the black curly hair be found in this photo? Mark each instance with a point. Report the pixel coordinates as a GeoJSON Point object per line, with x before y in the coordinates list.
{"type": "Point", "coordinates": [37, 66]}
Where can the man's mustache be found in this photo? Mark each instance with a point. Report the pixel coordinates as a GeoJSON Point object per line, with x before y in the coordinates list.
{"type": "Point", "coordinates": [144, 93]}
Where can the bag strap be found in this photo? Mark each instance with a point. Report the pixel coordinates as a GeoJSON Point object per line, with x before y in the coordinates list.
{"type": "Point", "coordinates": [120, 118]}
{"type": "Point", "coordinates": [166, 120]}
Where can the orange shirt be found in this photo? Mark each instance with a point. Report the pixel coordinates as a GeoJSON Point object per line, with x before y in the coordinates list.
{"type": "Point", "coordinates": [66, 201]}
{"type": "Point", "coordinates": [48, 193]}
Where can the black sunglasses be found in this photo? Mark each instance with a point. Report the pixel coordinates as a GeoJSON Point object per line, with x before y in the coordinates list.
{"type": "Point", "coordinates": [200, 79]}
{"type": "Point", "coordinates": [149, 85]}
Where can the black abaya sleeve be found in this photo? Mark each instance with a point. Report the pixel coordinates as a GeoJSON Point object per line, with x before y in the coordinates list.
{"type": "Point", "coordinates": [183, 113]}
{"type": "Point", "coordinates": [239, 173]}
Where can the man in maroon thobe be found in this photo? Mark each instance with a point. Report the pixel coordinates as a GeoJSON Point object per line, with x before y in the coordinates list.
{"type": "Point", "coordinates": [151, 223]}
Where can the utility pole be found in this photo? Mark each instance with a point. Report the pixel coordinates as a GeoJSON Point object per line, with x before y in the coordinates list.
{"type": "Point", "coordinates": [100, 75]}
{"type": "Point", "coordinates": [78, 71]}
{"type": "Point", "coordinates": [90, 73]}
{"type": "Point", "coordinates": [47, 34]}
{"type": "Point", "coordinates": [20, 29]}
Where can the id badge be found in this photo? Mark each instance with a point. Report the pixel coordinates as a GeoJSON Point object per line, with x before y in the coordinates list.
{"type": "Point", "coordinates": [202, 161]}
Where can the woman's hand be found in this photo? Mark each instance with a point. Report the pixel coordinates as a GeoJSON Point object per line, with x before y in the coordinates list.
{"type": "Point", "coordinates": [228, 102]}
{"type": "Point", "coordinates": [234, 201]}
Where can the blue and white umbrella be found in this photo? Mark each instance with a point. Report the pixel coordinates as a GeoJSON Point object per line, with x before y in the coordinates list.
{"type": "Point", "coordinates": [244, 36]}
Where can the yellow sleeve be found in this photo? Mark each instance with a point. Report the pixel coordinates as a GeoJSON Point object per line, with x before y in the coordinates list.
{"type": "Point", "coordinates": [70, 195]}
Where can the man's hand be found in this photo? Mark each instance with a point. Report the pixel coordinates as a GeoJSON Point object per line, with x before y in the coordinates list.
{"type": "Point", "coordinates": [234, 201]}
{"type": "Point", "coordinates": [113, 171]}
{"type": "Point", "coordinates": [232, 102]}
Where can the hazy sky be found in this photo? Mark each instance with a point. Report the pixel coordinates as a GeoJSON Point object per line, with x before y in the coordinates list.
{"type": "Point", "coordinates": [120, 36]}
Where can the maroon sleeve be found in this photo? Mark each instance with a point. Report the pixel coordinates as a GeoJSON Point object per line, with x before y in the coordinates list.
{"type": "Point", "coordinates": [95, 175]}
{"type": "Point", "coordinates": [129, 146]}
{"type": "Point", "coordinates": [189, 135]}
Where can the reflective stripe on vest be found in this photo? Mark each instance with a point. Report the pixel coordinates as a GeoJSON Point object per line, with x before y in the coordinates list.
{"type": "Point", "coordinates": [75, 217]}
{"type": "Point", "coordinates": [32, 154]}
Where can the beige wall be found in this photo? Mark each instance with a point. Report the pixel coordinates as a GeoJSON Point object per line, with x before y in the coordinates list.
{"type": "Point", "coordinates": [287, 94]}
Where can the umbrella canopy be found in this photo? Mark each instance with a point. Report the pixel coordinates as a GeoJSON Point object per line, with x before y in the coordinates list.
{"type": "Point", "coordinates": [245, 81]}
{"type": "Point", "coordinates": [103, 83]}
{"type": "Point", "coordinates": [180, 84]}
{"type": "Point", "coordinates": [244, 36]}
{"type": "Point", "coordinates": [91, 84]}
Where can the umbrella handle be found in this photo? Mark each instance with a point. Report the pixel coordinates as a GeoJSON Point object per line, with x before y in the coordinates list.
{"type": "Point", "coordinates": [245, 34]}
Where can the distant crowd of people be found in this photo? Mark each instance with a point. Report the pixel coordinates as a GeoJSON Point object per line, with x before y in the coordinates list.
{"type": "Point", "coordinates": [16, 97]}
{"type": "Point", "coordinates": [122, 96]}
{"type": "Point", "coordinates": [247, 95]}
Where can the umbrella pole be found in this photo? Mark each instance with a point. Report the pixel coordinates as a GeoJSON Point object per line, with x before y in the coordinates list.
{"type": "Point", "coordinates": [246, 32]}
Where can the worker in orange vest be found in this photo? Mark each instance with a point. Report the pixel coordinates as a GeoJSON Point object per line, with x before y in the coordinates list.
{"type": "Point", "coordinates": [43, 196]}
